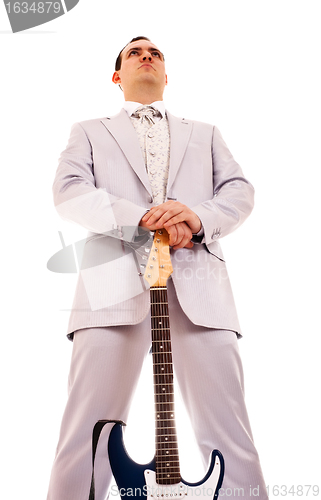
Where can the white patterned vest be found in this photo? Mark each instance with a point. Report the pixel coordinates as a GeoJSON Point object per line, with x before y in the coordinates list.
{"type": "Point", "coordinates": [154, 141]}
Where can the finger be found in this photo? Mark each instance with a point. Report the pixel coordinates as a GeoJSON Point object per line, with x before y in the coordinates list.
{"type": "Point", "coordinates": [180, 213]}
{"type": "Point", "coordinates": [165, 212]}
{"type": "Point", "coordinates": [188, 245]}
{"type": "Point", "coordinates": [183, 243]}
{"type": "Point", "coordinates": [171, 217]}
{"type": "Point", "coordinates": [172, 232]}
{"type": "Point", "coordinates": [180, 233]}
{"type": "Point", "coordinates": [184, 235]}
{"type": "Point", "coordinates": [150, 217]}
{"type": "Point", "coordinates": [155, 216]}
{"type": "Point", "coordinates": [176, 219]}
{"type": "Point", "coordinates": [162, 206]}
{"type": "Point", "coordinates": [149, 214]}
{"type": "Point", "coordinates": [149, 227]}
{"type": "Point", "coordinates": [187, 235]}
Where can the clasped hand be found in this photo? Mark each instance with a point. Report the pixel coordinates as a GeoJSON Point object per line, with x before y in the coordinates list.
{"type": "Point", "coordinates": [179, 221]}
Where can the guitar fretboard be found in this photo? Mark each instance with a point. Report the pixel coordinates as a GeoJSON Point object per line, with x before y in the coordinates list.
{"type": "Point", "coordinates": [167, 461]}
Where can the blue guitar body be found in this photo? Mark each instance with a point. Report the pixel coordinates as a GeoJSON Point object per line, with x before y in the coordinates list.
{"type": "Point", "coordinates": [136, 480]}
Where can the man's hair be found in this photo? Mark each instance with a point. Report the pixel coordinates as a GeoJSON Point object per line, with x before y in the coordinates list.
{"type": "Point", "coordinates": [118, 60]}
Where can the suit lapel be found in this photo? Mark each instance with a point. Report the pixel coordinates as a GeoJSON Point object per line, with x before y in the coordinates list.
{"type": "Point", "coordinates": [180, 132]}
{"type": "Point", "coordinates": [124, 133]}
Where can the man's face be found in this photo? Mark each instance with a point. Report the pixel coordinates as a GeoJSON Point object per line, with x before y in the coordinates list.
{"type": "Point", "coordinates": [142, 63]}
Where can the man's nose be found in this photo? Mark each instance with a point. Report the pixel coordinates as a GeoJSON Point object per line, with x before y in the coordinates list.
{"type": "Point", "coordinates": [147, 56]}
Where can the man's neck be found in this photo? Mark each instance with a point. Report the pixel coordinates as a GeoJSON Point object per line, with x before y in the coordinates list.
{"type": "Point", "coordinates": [144, 96]}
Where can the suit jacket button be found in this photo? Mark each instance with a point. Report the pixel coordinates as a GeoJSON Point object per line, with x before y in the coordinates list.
{"type": "Point", "coordinates": [150, 200]}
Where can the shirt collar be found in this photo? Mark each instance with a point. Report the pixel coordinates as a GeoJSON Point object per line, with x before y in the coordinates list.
{"type": "Point", "coordinates": [131, 106]}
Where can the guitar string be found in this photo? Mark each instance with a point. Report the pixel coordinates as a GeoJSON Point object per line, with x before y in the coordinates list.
{"type": "Point", "coordinates": [168, 382]}
{"type": "Point", "coordinates": [174, 457]}
{"type": "Point", "coordinates": [165, 356]}
{"type": "Point", "coordinates": [160, 310]}
{"type": "Point", "coordinates": [161, 334]}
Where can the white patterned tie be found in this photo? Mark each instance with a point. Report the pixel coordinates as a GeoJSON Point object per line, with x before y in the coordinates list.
{"type": "Point", "coordinates": [146, 114]}
{"type": "Point", "coordinates": [154, 142]}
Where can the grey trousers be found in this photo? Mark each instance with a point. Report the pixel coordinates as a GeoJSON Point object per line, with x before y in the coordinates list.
{"type": "Point", "coordinates": [105, 367]}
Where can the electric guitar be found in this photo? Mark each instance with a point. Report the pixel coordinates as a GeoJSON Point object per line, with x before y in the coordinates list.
{"type": "Point", "coordinates": [161, 478]}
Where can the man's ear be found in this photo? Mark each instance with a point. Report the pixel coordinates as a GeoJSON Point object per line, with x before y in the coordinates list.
{"type": "Point", "coordinates": [116, 78]}
{"type": "Point", "coordinates": [166, 80]}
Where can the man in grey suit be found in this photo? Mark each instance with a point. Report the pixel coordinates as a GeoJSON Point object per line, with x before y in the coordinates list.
{"type": "Point", "coordinates": [144, 169]}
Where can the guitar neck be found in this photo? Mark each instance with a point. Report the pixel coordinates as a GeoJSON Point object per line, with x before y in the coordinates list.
{"type": "Point", "coordinates": [167, 461]}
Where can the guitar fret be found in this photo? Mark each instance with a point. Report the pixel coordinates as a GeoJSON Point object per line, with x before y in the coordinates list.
{"type": "Point", "coordinates": [162, 428]}
{"type": "Point", "coordinates": [170, 462]}
{"type": "Point", "coordinates": [160, 439]}
{"type": "Point", "coordinates": [165, 451]}
{"type": "Point", "coordinates": [166, 473]}
{"type": "Point", "coordinates": [168, 435]}
{"type": "Point", "coordinates": [176, 469]}
{"type": "Point", "coordinates": [168, 449]}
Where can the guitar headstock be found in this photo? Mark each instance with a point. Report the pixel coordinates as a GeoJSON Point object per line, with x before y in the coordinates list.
{"type": "Point", "coordinates": [159, 266]}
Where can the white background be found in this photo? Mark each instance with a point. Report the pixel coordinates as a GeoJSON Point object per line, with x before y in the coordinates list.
{"type": "Point", "coordinates": [253, 69]}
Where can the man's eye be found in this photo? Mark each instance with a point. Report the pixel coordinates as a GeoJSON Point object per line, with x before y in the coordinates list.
{"type": "Point", "coordinates": [156, 54]}
{"type": "Point", "coordinates": [133, 52]}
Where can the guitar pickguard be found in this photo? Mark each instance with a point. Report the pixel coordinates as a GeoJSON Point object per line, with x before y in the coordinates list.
{"type": "Point", "coordinates": [206, 489]}
{"type": "Point", "coordinates": [137, 480]}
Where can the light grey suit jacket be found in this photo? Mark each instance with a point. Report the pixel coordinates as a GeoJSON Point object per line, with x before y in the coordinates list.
{"type": "Point", "coordinates": [102, 184]}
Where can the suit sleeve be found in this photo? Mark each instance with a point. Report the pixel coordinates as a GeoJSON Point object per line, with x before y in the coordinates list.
{"type": "Point", "coordinates": [77, 199]}
{"type": "Point", "coordinates": [233, 196]}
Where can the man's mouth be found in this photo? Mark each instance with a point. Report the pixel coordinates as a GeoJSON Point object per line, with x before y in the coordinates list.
{"type": "Point", "coordinates": [146, 64]}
